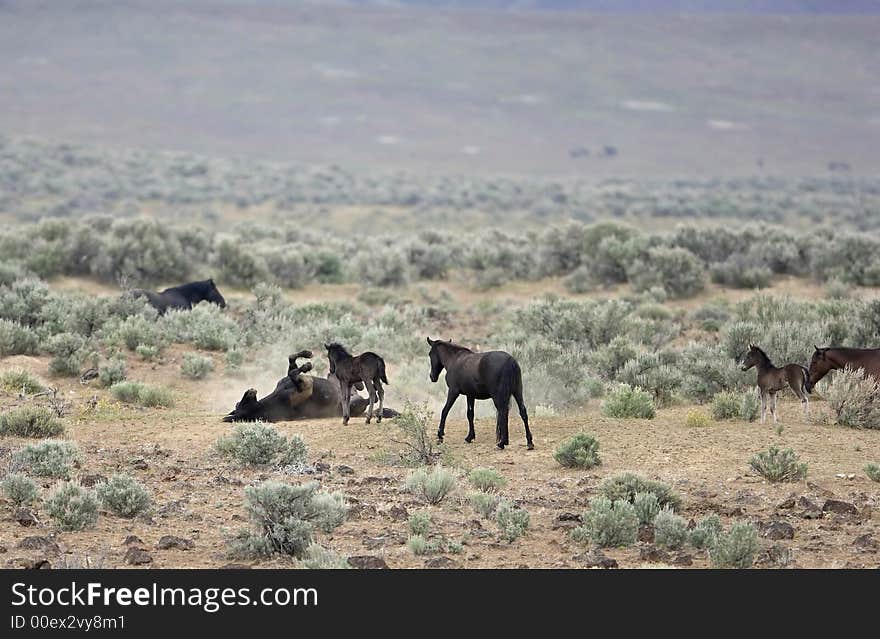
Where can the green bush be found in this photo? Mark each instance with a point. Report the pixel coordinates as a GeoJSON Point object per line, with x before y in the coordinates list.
{"type": "Point", "coordinates": [678, 271]}
{"type": "Point", "coordinates": [420, 545]}
{"type": "Point", "coordinates": [124, 496]}
{"type": "Point", "coordinates": [70, 353]}
{"type": "Point", "coordinates": [31, 421]}
{"type": "Point", "coordinates": [50, 458]}
{"type": "Point", "coordinates": [776, 465]}
{"type": "Point", "coordinates": [147, 353]}
{"type": "Point", "coordinates": [317, 557]}
{"type": "Point", "coordinates": [19, 489]}
{"type": "Point", "coordinates": [72, 507]}
{"type": "Point", "coordinates": [854, 399]}
{"type": "Point", "coordinates": [736, 548]}
{"type": "Point", "coordinates": [413, 424]}
{"type": "Point", "coordinates": [262, 445]}
{"type": "Point", "coordinates": [138, 331]}
{"type": "Point", "coordinates": [579, 451]}
{"type": "Point", "coordinates": [206, 327]}
{"type": "Point", "coordinates": [431, 486]}
{"type": "Point", "coordinates": [131, 392]}
{"type": "Point", "coordinates": [872, 470]}
{"type": "Point", "coordinates": [625, 486]}
{"type": "Point", "coordinates": [486, 479]}
{"type": "Point", "coordinates": [726, 405]}
{"type": "Point", "coordinates": [196, 366]}
{"type": "Point", "coordinates": [484, 504]}
{"type": "Point", "coordinates": [749, 407]}
{"type": "Point", "coordinates": [420, 523]}
{"type": "Point", "coordinates": [16, 339]}
{"type": "Point", "coordinates": [647, 507]}
{"type": "Point", "coordinates": [648, 372]}
{"type": "Point", "coordinates": [512, 521]}
{"type": "Point", "coordinates": [284, 517]}
{"type": "Point", "coordinates": [706, 531]}
{"type": "Point", "coordinates": [21, 381]}
{"type": "Point", "coordinates": [111, 372]}
{"type": "Point", "coordinates": [608, 523]}
{"type": "Point", "coordinates": [696, 418]}
{"type": "Point", "coordinates": [626, 402]}
{"type": "Point", "coordinates": [670, 530]}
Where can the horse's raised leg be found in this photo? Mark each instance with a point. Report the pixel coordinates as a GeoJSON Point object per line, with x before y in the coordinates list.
{"type": "Point", "coordinates": [800, 391]}
{"type": "Point", "coordinates": [472, 435]}
{"type": "Point", "coordinates": [450, 400]}
{"type": "Point", "coordinates": [381, 393]}
{"type": "Point", "coordinates": [368, 385]}
{"type": "Point", "coordinates": [502, 408]}
{"type": "Point", "coordinates": [524, 415]}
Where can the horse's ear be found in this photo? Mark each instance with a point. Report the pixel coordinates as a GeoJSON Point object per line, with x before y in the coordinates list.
{"type": "Point", "coordinates": [327, 347]}
{"type": "Point", "coordinates": [430, 341]}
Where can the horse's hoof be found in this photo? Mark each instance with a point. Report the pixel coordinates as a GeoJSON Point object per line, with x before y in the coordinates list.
{"type": "Point", "coordinates": [468, 440]}
{"type": "Point", "coordinates": [500, 446]}
{"type": "Point", "coordinates": [531, 446]}
{"type": "Point", "coordinates": [368, 420]}
{"type": "Point", "coordinates": [378, 420]}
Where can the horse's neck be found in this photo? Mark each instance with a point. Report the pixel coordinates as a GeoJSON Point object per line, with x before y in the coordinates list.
{"type": "Point", "coordinates": [764, 364]}
{"type": "Point", "coordinates": [191, 291]}
{"type": "Point", "coordinates": [449, 354]}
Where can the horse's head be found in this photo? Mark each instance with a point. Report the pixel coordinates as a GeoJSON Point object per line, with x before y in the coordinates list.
{"type": "Point", "coordinates": [750, 359]}
{"type": "Point", "coordinates": [212, 294]}
{"type": "Point", "coordinates": [436, 362]}
{"type": "Point", "coordinates": [333, 352]}
{"type": "Point", "coordinates": [820, 364]}
{"type": "Point", "coordinates": [245, 410]}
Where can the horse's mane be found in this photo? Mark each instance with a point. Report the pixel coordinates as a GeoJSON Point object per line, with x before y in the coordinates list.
{"type": "Point", "coordinates": [456, 347]}
{"type": "Point", "coordinates": [763, 354]}
{"type": "Point", "coordinates": [201, 285]}
{"type": "Point", "coordinates": [336, 346]}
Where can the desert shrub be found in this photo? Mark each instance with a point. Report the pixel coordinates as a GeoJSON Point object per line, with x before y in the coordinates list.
{"type": "Point", "coordinates": [608, 523]}
{"type": "Point", "coordinates": [206, 327]}
{"type": "Point", "coordinates": [262, 445]}
{"type": "Point", "coordinates": [196, 366]}
{"type": "Point", "coordinates": [512, 521]}
{"type": "Point", "coordinates": [16, 339]}
{"type": "Point", "coordinates": [131, 392]}
{"type": "Point", "coordinates": [626, 402]}
{"type": "Point", "coordinates": [706, 371]}
{"type": "Point", "coordinates": [51, 458]}
{"type": "Point", "coordinates": [413, 424]}
{"type": "Point", "coordinates": [580, 280]}
{"type": "Point", "coordinates": [854, 399]}
{"type": "Point", "coordinates": [284, 517]}
{"type": "Point", "coordinates": [72, 507]}
{"type": "Point", "coordinates": [670, 530]}
{"type": "Point", "coordinates": [124, 496]}
{"type": "Point", "coordinates": [138, 330]}
{"type": "Point", "coordinates": [749, 407]}
{"type": "Point", "coordinates": [610, 358]}
{"type": "Point", "coordinates": [648, 372]}
{"type": "Point", "coordinates": [420, 523]}
{"type": "Point", "coordinates": [696, 418]}
{"type": "Point", "coordinates": [736, 548]}
{"type": "Point", "coordinates": [706, 531]}
{"type": "Point", "coordinates": [69, 351]}
{"type": "Point", "coordinates": [872, 470]}
{"type": "Point", "coordinates": [837, 290]}
{"type": "Point", "coordinates": [316, 557]}
{"type": "Point", "coordinates": [20, 381]}
{"type": "Point", "coordinates": [239, 265]}
{"type": "Point", "coordinates": [233, 361]}
{"type": "Point", "coordinates": [486, 479]}
{"type": "Point", "coordinates": [579, 451]}
{"type": "Point", "coordinates": [677, 270]}
{"type": "Point", "coordinates": [23, 301]}
{"type": "Point", "coordinates": [726, 405]}
{"type": "Point", "coordinates": [147, 353]}
{"type": "Point", "coordinates": [711, 317]}
{"type": "Point", "coordinates": [420, 545]}
{"type": "Point", "coordinates": [19, 489]}
{"type": "Point", "coordinates": [777, 464]}
{"type": "Point", "coordinates": [625, 486]}
{"type": "Point", "coordinates": [381, 264]}
{"type": "Point", "coordinates": [112, 372]}
{"type": "Point", "coordinates": [646, 506]}
{"type": "Point", "coordinates": [740, 272]}
{"type": "Point", "coordinates": [31, 421]}
{"type": "Point", "coordinates": [484, 504]}
{"type": "Point", "coordinates": [431, 486]}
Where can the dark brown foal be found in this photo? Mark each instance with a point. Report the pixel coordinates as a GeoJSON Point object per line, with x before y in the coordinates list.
{"type": "Point", "coordinates": [368, 368]}
{"type": "Point", "coordinates": [772, 379]}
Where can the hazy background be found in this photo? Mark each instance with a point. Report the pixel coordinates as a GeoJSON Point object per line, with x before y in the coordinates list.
{"type": "Point", "coordinates": [591, 89]}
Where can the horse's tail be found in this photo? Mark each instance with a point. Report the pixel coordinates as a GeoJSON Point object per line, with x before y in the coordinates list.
{"type": "Point", "coordinates": [510, 380]}
{"type": "Point", "coordinates": [382, 374]}
{"type": "Point", "coordinates": [806, 374]}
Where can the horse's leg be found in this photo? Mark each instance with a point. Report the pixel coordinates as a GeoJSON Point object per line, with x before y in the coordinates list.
{"type": "Point", "coordinates": [472, 435]}
{"type": "Point", "coordinates": [346, 402]}
{"type": "Point", "coordinates": [502, 408]}
{"type": "Point", "coordinates": [773, 407]}
{"type": "Point", "coordinates": [517, 395]}
{"type": "Point", "coordinates": [368, 385]}
{"type": "Point", "coordinates": [763, 404]}
{"type": "Point", "coordinates": [450, 400]}
{"type": "Point", "coordinates": [381, 393]}
{"type": "Point", "coordinates": [798, 388]}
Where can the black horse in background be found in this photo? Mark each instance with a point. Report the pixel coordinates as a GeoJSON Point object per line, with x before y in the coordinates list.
{"type": "Point", "coordinates": [182, 297]}
{"type": "Point", "coordinates": [494, 375]}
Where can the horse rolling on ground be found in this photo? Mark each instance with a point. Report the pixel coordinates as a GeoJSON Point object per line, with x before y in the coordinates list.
{"type": "Point", "coordinates": [494, 375]}
{"type": "Point", "coordinates": [182, 297]}
{"type": "Point", "coordinates": [367, 368]}
{"type": "Point", "coordinates": [772, 379]}
{"type": "Point", "coordinates": [828, 359]}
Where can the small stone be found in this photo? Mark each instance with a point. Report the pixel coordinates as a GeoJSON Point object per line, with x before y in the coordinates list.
{"type": "Point", "coordinates": [596, 559]}
{"type": "Point", "coordinates": [132, 539]}
{"type": "Point", "coordinates": [25, 517]}
{"type": "Point", "coordinates": [342, 469]}
{"type": "Point", "coordinates": [321, 467]}
{"type": "Point", "coordinates": [2, 549]}
{"type": "Point", "coordinates": [399, 513]}
{"type": "Point", "coordinates": [866, 543]}
{"type": "Point", "coordinates": [137, 557]}
{"type": "Point", "coordinates": [683, 559]}
{"type": "Point", "coordinates": [38, 543]}
{"type": "Point", "coordinates": [646, 533]}
{"type": "Point", "coordinates": [441, 562]}
{"type": "Point", "coordinates": [653, 554]}
{"type": "Point", "coordinates": [90, 481]}
{"type": "Point", "coordinates": [839, 507]}
{"type": "Point", "coordinates": [778, 530]}
{"type": "Point", "coordinates": [235, 567]}
{"type": "Point", "coordinates": [167, 542]}
{"type": "Point", "coordinates": [139, 464]}
{"type": "Point", "coordinates": [367, 562]}
{"type": "Point", "coordinates": [566, 521]}
{"type": "Point", "coordinates": [787, 503]}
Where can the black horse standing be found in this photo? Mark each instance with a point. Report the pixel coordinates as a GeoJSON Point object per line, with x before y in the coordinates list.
{"type": "Point", "coordinates": [494, 375]}
{"type": "Point", "coordinates": [182, 297]}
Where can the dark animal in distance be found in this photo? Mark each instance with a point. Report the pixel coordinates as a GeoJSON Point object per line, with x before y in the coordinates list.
{"type": "Point", "coordinates": [772, 379]}
{"type": "Point", "coordinates": [299, 396]}
{"type": "Point", "coordinates": [367, 368]}
{"type": "Point", "coordinates": [182, 297]}
{"type": "Point", "coordinates": [829, 359]}
{"type": "Point", "coordinates": [494, 375]}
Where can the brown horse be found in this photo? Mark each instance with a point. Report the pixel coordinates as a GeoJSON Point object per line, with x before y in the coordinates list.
{"type": "Point", "coordinates": [367, 368]}
{"type": "Point", "coordinates": [772, 379]}
{"type": "Point", "coordinates": [829, 359]}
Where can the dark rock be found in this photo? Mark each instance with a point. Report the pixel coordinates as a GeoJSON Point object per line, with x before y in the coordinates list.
{"type": "Point", "coordinates": [132, 539]}
{"type": "Point", "coordinates": [371, 543]}
{"type": "Point", "coordinates": [367, 562]}
{"type": "Point", "coordinates": [807, 503]}
{"type": "Point", "coordinates": [398, 513]}
{"type": "Point", "coordinates": [342, 469]}
{"type": "Point", "coordinates": [2, 549]}
{"type": "Point", "coordinates": [776, 556]}
{"type": "Point", "coordinates": [90, 481]}
{"type": "Point", "coordinates": [167, 542]}
{"type": "Point", "coordinates": [566, 521]}
{"type": "Point", "coordinates": [839, 507]}
{"type": "Point", "coordinates": [28, 563]}
{"type": "Point", "coordinates": [135, 556]}
{"type": "Point", "coordinates": [235, 567]}
{"type": "Point", "coordinates": [25, 517]}
{"type": "Point", "coordinates": [789, 502]}
{"type": "Point", "coordinates": [653, 554]}
{"type": "Point", "coordinates": [596, 559]}
{"type": "Point", "coordinates": [441, 562]}
{"type": "Point", "coordinates": [321, 467]}
{"type": "Point", "coordinates": [778, 530]}
{"type": "Point", "coordinates": [683, 559]}
{"type": "Point", "coordinates": [866, 543]}
{"type": "Point", "coordinates": [39, 543]}
{"type": "Point", "coordinates": [139, 464]}
{"type": "Point", "coordinates": [810, 510]}
{"type": "Point", "coordinates": [646, 533]}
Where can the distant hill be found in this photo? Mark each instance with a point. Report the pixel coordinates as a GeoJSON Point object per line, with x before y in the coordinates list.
{"type": "Point", "coordinates": [795, 7]}
{"type": "Point", "coordinates": [440, 90]}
